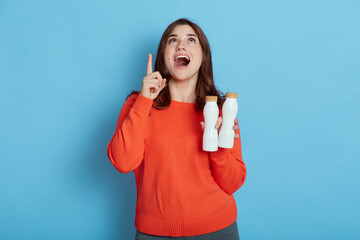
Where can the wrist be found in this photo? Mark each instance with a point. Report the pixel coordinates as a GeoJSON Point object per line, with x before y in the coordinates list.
{"type": "Point", "coordinates": [145, 95]}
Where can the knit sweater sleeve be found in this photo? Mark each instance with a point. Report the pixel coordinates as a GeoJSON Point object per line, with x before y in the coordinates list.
{"type": "Point", "coordinates": [229, 169]}
{"type": "Point", "coordinates": [126, 148]}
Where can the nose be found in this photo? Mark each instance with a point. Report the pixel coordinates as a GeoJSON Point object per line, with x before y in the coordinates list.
{"type": "Point", "coordinates": [180, 46]}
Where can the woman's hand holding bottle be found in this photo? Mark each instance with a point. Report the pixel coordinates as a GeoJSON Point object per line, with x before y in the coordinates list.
{"type": "Point", "coordinates": [218, 125]}
{"type": "Point", "coordinates": [153, 82]}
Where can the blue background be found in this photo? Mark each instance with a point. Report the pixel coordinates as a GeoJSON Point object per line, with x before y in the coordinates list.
{"type": "Point", "coordinates": [67, 66]}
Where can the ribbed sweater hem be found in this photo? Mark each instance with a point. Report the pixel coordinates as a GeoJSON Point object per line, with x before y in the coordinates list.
{"type": "Point", "coordinates": [174, 228]}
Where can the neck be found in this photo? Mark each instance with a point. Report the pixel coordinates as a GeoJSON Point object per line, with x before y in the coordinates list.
{"type": "Point", "coordinates": [183, 91]}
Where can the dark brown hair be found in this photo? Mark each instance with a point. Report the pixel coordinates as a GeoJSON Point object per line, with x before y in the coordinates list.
{"type": "Point", "coordinates": [205, 84]}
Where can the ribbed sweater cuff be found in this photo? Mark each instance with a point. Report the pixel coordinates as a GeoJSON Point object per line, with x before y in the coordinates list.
{"type": "Point", "coordinates": [142, 104]}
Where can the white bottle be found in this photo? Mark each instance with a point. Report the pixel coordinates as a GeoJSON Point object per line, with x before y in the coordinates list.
{"type": "Point", "coordinates": [211, 114]}
{"type": "Point", "coordinates": [229, 111]}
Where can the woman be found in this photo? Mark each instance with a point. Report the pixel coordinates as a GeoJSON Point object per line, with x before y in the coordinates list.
{"type": "Point", "coordinates": [182, 191]}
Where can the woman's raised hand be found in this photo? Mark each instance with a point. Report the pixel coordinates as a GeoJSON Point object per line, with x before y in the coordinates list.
{"type": "Point", "coordinates": [153, 82]}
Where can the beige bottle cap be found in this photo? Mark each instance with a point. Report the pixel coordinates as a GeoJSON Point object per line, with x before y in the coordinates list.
{"type": "Point", "coordinates": [231, 95]}
{"type": "Point", "coordinates": [211, 98]}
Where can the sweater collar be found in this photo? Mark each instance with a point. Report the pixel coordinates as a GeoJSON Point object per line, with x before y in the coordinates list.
{"type": "Point", "coordinates": [186, 105]}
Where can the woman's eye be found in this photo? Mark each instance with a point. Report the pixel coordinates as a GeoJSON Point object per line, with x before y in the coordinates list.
{"type": "Point", "coordinates": [172, 40]}
{"type": "Point", "coordinates": [191, 40]}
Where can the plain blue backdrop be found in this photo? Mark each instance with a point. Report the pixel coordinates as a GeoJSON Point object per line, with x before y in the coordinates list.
{"type": "Point", "coordinates": [67, 66]}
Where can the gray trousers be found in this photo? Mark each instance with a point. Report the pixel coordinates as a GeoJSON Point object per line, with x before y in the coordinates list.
{"type": "Point", "coordinates": [229, 233]}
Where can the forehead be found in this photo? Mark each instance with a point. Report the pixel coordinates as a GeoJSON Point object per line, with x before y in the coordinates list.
{"type": "Point", "coordinates": [183, 30]}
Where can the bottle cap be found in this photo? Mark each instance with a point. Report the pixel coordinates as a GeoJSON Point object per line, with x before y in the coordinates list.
{"type": "Point", "coordinates": [211, 98]}
{"type": "Point", "coordinates": [231, 95]}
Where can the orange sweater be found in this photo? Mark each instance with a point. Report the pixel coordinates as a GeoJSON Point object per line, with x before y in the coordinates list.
{"type": "Point", "coordinates": [181, 190]}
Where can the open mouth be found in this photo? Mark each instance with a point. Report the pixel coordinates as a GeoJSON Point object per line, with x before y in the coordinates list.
{"type": "Point", "coordinates": [182, 61]}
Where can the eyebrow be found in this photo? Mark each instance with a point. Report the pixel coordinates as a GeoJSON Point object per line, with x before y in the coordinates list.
{"type": "Point", "coordinates": [188, 35]}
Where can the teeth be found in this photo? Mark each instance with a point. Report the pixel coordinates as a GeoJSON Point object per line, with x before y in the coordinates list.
{"type": "Point", "coordinates": [187, 58]}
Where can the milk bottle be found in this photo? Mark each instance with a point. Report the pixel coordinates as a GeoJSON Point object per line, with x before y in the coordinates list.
{"type": "Point", "coordinates": [229, 110]}
{"type": "Point", "coordinates": [211, 114]}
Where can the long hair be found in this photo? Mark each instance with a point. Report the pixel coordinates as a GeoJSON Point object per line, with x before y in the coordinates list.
{"type": "Point", "coordinates": [205, 84]}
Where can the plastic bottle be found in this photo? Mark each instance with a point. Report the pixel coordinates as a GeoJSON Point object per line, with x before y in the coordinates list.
{"type": "Point", "coordinates": [229, 111]}
{"type": "Point", "coordinates": [211, 114]}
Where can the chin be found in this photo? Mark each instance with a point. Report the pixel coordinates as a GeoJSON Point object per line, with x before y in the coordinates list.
{"type": "Point", "coordinates": [182, 76]}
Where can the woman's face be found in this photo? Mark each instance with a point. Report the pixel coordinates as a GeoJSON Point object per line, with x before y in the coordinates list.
{"type": "Point", "coordinates": [183, 53]}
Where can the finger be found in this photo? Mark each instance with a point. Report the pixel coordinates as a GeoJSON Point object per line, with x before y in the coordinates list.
{"type": "Point", "coordinates": [155, 76]}
{"type": "Point", "coordinates": [236, 136]}
{"type": "Point", "coordinates": [159, 87]}
{"type": "Point", "coordinates": [153, 88]}
{"type": "Point", "coordinates": [158, 77]}
{"type": "Point", "coordinates": [153, 85]}
{"type": "Point", "coordinates": [236, 120]}
{"type": "Point", "coordinates": [202, 125]}
{"type": "Point", "coordinates": [235, 127]}
{"type": "Point", "coordinates": [162, 86]}
{"type": "Point", "coordinates": [150, 82]}
{"type": "Point", "coordinates": [218, 122]}
{"type": "Point", "coordinates": [149, 65]}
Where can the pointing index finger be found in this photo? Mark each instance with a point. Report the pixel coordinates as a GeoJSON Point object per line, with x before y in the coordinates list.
{"type": "Point", "coordinates": [149, 65]}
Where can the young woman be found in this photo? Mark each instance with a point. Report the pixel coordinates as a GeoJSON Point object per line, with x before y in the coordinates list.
{"type": "Point", "coordinates": [182, 191]}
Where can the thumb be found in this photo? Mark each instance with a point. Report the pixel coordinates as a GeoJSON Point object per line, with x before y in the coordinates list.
{"type": "Point", "coordinates": [163, 84]}
{"type": "Point", "coordinates": [161, 87]}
